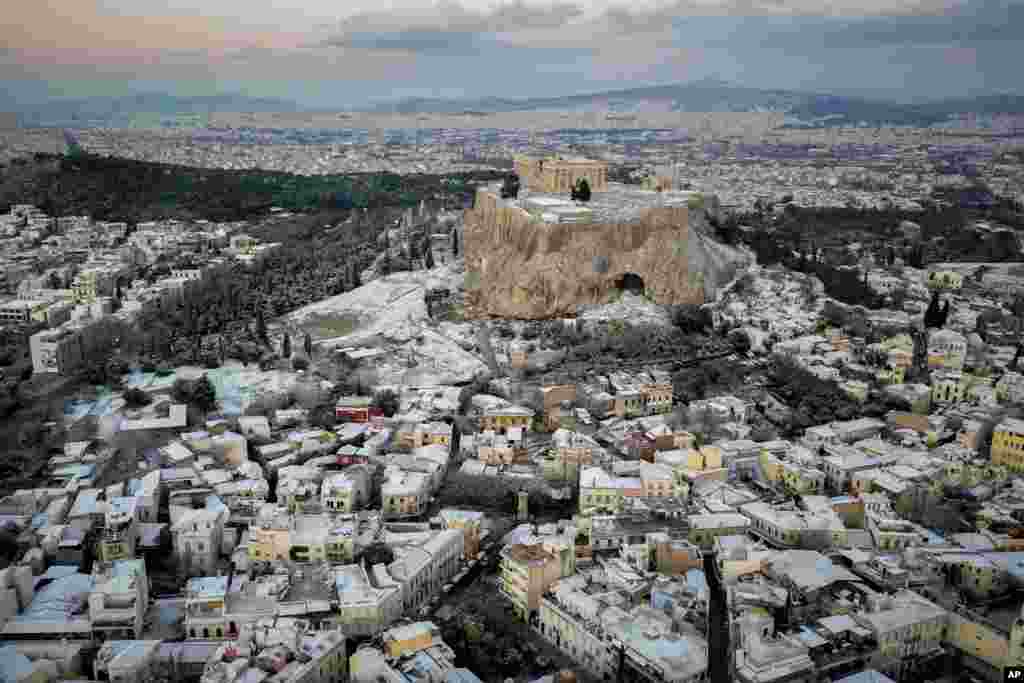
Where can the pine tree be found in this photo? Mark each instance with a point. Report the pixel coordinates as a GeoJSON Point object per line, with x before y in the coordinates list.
{"type": "Point", "coordinates": [933, 314]}
{"type": "Point", "coordinates": [385, 266]}
{"type": "Point", "coordinates": [286, 346]}
{"type": "Point", "coordinates": [204, 396]}
{"type": "Point", "coordinates": [455, 243]}
{"type": "Point", "coordinates": [428, 257]}
{"type": "Point", "coordinates": [583, 191]}
{"type": "Point", "coordinates": [307, 345]}
{"type": "Point", "coordinates": [945, 314]}
{"type": "Point", "coordinates": [261, 326]}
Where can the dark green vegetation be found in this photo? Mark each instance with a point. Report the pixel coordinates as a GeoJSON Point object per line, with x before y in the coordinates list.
{"type": "Point", "coordinates": [320, 256]}
{"type": "Point", "coordinates": [816, 240]}
{"type": "Point", "coordinates": [125, 190]}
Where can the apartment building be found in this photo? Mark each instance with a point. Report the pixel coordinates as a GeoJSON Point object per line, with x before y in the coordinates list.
{"type": "Point", "coordinates": [1008, 444]}
{"type": "Point", "coordinates": [947, 350]}
{"type": "Point", "coordinates": [119, 600]}
{"type": "Point", "coordinates": [404, 494]}
{"type": "Point", "coordinates": [198, 536]}
{"type": "Point", "coordinates": [424, 569]}
{"type": "Point", "coordinates": [908, 629]}
{"type": "Point", "coordinates": [527, 571]}
{"type": "Point", "coordinates": [365, 608]}
{"type": "Point", "coordinates": [469, 522]}
{"type": "Point", "coordinates": [596, 625]}
{"type": "Point", "coordinates": [501, 418]}
{"type": "Point", "coordinates": [820, 528]}
{"type": "Point", "coordinates": [347, 491]}
{"type": "Point", "coordinates": [704, 529]}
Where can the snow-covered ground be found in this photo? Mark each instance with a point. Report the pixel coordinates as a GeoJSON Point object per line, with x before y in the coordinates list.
{"type": "Point", "coordinates": [631, 308]}
{"type": "Point", "coordinates": [390, 313]}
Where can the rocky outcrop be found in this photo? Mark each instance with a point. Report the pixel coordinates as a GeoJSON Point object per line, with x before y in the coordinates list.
{"type": "Point", "coordinates": [519, 267]}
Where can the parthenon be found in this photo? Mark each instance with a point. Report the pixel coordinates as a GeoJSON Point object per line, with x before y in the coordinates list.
{"type": "Point", "coordinates": [557, 174]}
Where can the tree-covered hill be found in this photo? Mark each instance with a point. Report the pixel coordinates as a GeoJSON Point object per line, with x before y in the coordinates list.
{"type": "Point", "coordinates": [109, 188]}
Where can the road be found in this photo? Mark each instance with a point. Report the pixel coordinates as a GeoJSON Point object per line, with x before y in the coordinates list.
{"type": "Point", "coordinates": [475, 598]}
{"type": "Point", "coordinates": [719, 650]}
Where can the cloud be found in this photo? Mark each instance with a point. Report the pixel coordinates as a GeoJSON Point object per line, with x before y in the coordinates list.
{"type": "Point", "coordinates": [447, 22]}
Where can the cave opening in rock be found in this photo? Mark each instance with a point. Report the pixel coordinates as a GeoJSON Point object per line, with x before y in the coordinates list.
{"type": "Point", "coordinates": [630, 282]}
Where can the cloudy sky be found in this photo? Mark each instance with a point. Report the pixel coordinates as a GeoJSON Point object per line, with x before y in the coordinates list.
{"type": "Point", "coordinates": [347, 52]}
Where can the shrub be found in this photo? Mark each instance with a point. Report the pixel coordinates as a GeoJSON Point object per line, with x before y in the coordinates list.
{"type": "Point", "coordinates": [387, 401]}
{"type": "Point", "coordinates": [300, 363]}
{"type": "Point", "coordinates": [136, 398]}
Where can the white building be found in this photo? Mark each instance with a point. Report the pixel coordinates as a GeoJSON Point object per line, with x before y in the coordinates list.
{"type": "Point", "coordinates": [198, 539]}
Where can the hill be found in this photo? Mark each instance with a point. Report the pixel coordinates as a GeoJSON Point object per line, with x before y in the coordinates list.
{"type": "Point", "coordinates": [109, 188]}
{"type": "Point", "coordinates": [802, 108]}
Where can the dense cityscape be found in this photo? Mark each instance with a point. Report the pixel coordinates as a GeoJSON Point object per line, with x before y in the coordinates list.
{"type": "Point", "coordinates": [684, 383]}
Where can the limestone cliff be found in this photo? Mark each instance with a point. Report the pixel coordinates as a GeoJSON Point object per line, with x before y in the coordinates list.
{"type": "Point", "coordinates": [520, 267]}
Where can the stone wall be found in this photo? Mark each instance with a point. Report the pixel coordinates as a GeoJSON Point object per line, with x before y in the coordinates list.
{"type": "Point", "coordinates": [519, 267]}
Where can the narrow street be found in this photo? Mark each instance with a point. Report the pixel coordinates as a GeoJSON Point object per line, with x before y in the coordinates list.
{"type": "Point", "coordinates": [719, 651]}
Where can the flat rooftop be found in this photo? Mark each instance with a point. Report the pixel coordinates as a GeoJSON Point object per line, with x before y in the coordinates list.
{"type": "Point", "coordinates": [618, 204]}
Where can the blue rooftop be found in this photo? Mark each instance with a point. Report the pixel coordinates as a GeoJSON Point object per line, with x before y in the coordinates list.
{"type": "Point", "coordinates": [59, 600]}
{"type": "Point", "coordinates": [13, 666]}
{"type": "Point", "coordinates": [208, 586]}
{"type": "Point", "coordinates": [696, 580]}
{"type": "Point", "coordinates": [461, 676]}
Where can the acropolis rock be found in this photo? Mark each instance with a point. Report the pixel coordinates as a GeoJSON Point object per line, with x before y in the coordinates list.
{"type": "Point", "coordinates": [524, 261]}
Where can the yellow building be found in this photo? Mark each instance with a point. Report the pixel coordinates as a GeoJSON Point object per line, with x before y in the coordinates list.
{"type": "Point", "coordinates": [403, 640]}
{"type": "Point", "coordinates": [84, 288]}
{"type": "Point", "coordinates": [559, 175]}
{"type": "Point", "coordinates": [892, 375]}
{"type": "Point", "coordinates": [945, 280]}
{"type": "Point", "coordinates": [948, 387]}
{"type": "Point", "coordinates": [600, 499]}
{"type": "Point", "coordinates": [502, 418]}
{"type": "Point", "coordinates": [771, 466]}
{"type": "Point", "coordinates": [657, 397]}
{"type": "Point", "coordinates": [301, 538]}
{"type": "Point", "coordinates": [802, 480]}
{"type": "Point", "coordinates": [1008, 444]}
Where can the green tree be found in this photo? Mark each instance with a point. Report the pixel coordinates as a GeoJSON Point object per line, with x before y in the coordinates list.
{"type": "Point", "coordinates": [387, 401]}
{"type": "Point", "coordinates": [204, 395]}
{"type": "Point", "coordinates": [307, 345]}
{"type": "Point", "coordinates": [261, 326]}
{"type": "Point", "coordinates": [136, 398]}
{"type": "Point", "coordinates": [181, 391]}
{"type": "Point", "coordinates": [581, 191]}
{"type": "Point", "coordinates": [428, 256]}
{"type": "Point", "coordinates": [286, 346]}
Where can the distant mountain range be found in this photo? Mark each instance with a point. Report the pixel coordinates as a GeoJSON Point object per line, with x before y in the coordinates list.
{"type": "Point", "coordinates": [67, 111]}
{"type": "Point", "coordinates": [715, 96]}
{"type": "Point", "coordinates": [800, 108]}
